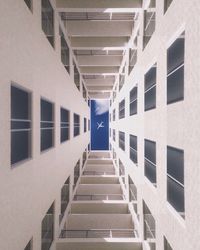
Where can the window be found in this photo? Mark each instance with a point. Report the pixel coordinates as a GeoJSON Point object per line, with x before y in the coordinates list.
{"type": "Point", "coordinates": [175, 179]}
{"type": "Point", "coordinates": [76, 76]}
{"type": "Point", "coordinates": [122, 140]}
{"type": "Point", "coordinates": [133, 55]}
{"type": "Point", "coordinates": [113, 115]}
{"type": "Point", "coordinates": [88, 125]}
{"type": "Point", "coordinates": [150, 160]}
{"type": "Point", "coordinates": [29, 4]}
{"type": "Point", "coordinates": [85, 125]}
{"type": "Point", "coordinates": [133, 148]}
{"type": "Point", "coordinates": [84, 92]}
{"type": "Point", "coordinates": [149, 22]}
{"type": "Point", "coordinates": [167, 245]}
{"type": "Point", "coordinates": [167, 3]}
{"type": "Point", "coordinates": [175, 70]}
{"type": "Point", "coordinates": [65, 53]}
{"type": "Point", "coordinates": [149, 227]}
{"type": "Point", "coordinates": [122, 109]}
{"type": "Point", "coordinates": [64, 125]}
{"type": "Point", "coordinates": [29, 246]}
{"type": "Point", "coordinates": [46, 125]}
{"type": "Point", "coordinates": [76, 172]}
{"type": "Point", "coordinates": [133, 101]}
{"type": "Point", "coordinates": [113, 134]}
{"type": "Point", "coordinates": [76, 125]}
{"type": "Point", "coordinates": [20, 125]}
{"type": "Point", "coordinates": [150, 89]}
{"type": "Point", "coordinates": [48, 21]}
{"type": "Point", "coordinates": [48, 229]}
{"type": "Point", "coordinates": [65, 192]}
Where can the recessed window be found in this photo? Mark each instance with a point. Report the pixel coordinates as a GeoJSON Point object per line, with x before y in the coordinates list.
{"type": "Point", "coordinates": [167, 3]}
{"type": "Point", "coordinates": [65, 52]}
{"type": "Point", "coordinates": [76, 172]}
{"type": "Point", "coordinates": [149, 22]}
{"type": "Point", "coordinates": [84, 92]}
{"type": "Point", "coordinates": [150, 89]}
{"type": "Point", "coordinates": [167, 246]}
{"type": "Point", "coordinates": [175, 179]}
{"type": "Point", "coordinates": [29, 4]}
{"type": "Point", "coordinates": [76, 76]}
{"type": "Point", "coordinates": [149, 227]}
{"type": "Point", "coordinates": [88, 125]}
{"type": "Point", "coordinates": [113, 134]}
{"type": "Point", "coordinates": [48, 21]}
{"type": "Point", "coordinates": [122, 109]}
{"type": "Point", "coordinates": [64, 125]}
{"type": "Point", "coordinates": [175, 70]}
{"type": "Point", "coordinates": [29, 246]}
{"type": "Point", "coordinates": [85, 125]}
{"type": "Point", "coordinates": [133, 101]}
{"type": "Point", "coordinates": [76, 125]}
{"type": "Point", "coordinates": [122, 140]}
{"type": "Point", "coordinates": [20, 125]}
{"type": "Point", "coordinates": [113, 115]}
{"type": "Point", "coordinates": [133, 148]}
{"type": "Point", "coordinates": [46, 125]}
{"type": "Point", "coordinates": [65, 192]}
{"type": "Point", "coordinates": [150, 160]}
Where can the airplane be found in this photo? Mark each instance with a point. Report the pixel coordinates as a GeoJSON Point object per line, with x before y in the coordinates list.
{"type": "Point", "coordinates": [100, 125]}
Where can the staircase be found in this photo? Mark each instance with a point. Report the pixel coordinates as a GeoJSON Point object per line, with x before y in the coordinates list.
{"type": "Point", "coordinates": [99, 217]}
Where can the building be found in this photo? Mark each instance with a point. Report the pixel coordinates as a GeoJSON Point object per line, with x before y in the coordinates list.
{"type": "Point", "coordinates": [142, 193]}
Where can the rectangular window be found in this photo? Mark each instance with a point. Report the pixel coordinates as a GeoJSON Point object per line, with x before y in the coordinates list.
{"type": "Point", "coordinates": [84, 92]}
{"type": "Point", "coordinates": [150, 160]}
{"type": "Point", "coordinates": [175, 179]}
{"type": "Point", "coordinates": [65, 52]}
{"type": "Point", "coordinates": [113, 115]}
{"type": "Point", "coordinates": [29, 4]}
{"type": "Point", "coordinates": [85, 125]}
{"type": "Point", "coordinates": [122, 140]}
{"type": "Point", "coordinates": [149, 22]}
{"type": "Point", "coordinates": [76, 125]}
{"type": "Point", "coordinates": [122, 109]}
{"type": "Point", "coordinates": [29, 246]}
{"type": "Point", "coordinates": [65, 192]}
{"type": "Point", "coordinates": [167, 245]}
{"type": "Point", "coordinates": [167, 3]}
{"type": "Point", "coordinates": [76, 172]}
{"type": "Point", "coordinates": [48, 21]}
{"type": "Point", "coordinates": [149, 227]}
{"type": "Point", "coordinates": [113, 134]}
{"type": "Point", "coordinates": [64, 125]}
{"type": "Point", "coordinates": [20, 125]}
{"type": "Point", "coordinates": [46, 125]}
{"type": "Point", "coordinates": [175, 70]}
{"type": "Point", "coordinates": [88, 125]}
{"type": "Point", "coordinates": [133, 148]}
{"type": "Point", "coordinates": [48, 229]}
{"type": "Point", "coordinates": [76, 76]}
{"type": "Point", "coordinates": [133, 101]}
{"type": "Point", "coordinates": [150, 89]}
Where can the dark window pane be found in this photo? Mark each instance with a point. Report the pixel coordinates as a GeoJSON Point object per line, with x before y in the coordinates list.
{"type": "Point", "coordinates": [133, 142]}
{"type": "Point", "coordinates": [150, 99]}
{"type": "Point", "coordinates": [46, 110]}
{"type": "Point", "coordinates": [64, 134]}
{"type": "Point", "coordinates": [133, 155]}
{"type": "Point", "coordinates": [150, 78]}
{"type": "Point", "coordinates": [175, 86]}
{"type": "Point", "coordinates": [175, 163]}
{"type": "Point", "coordinates": [122, 140]}
{"type": "Point", "coordinates": [20, 149]}
{"type": "Point", "coordinates": [65, 52]}
{"type": "Point", "coordinates": [46, 139]}
{"type": "Point", "coordinates": [150, 171]}
{"type": "Point", "coordinates": [122, 109]}
{"type": "Point", "coordinates": [175, 195]}
{"type": "Point", "coordinates": [150, 151]}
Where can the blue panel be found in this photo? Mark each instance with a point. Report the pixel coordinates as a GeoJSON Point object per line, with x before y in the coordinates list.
{"type": "Point", "coordinates": [99, 124]}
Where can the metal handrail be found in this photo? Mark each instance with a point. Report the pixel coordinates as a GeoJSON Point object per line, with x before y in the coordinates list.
{"type": "Point", "coordinates": [99, 233]}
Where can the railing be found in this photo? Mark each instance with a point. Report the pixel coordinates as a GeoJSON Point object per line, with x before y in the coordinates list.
{"type": "Point", "coordinates": [98, 197]}
{"type": "Point", "coordinates": [87, 172]}
{"type": "Point", "coordinates": [99, 233]}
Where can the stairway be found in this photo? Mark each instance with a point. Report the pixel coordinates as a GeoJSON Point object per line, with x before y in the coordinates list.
{"type": "Point", "coordinates": [99, 217]}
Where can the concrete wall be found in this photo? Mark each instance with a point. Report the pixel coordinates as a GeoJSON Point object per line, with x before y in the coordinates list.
{"type": "Point", "coordinates": [28, 190]}
{"type": "Point", "coordinates": [175, 125]}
